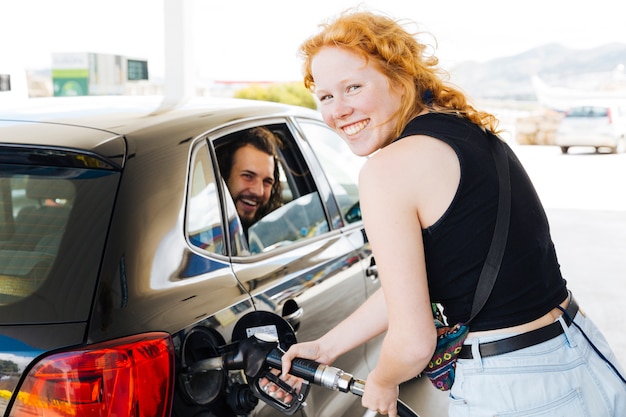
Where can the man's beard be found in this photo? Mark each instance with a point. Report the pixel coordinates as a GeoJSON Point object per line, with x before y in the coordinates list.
{"type": "Point", "coordinates": [248, 221]}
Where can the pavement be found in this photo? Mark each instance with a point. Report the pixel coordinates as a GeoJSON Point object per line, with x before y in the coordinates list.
{"type": "Point", "coordinates": [591, 247]}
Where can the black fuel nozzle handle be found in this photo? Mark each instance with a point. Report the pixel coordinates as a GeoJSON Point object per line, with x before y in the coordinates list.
{"type": "Point", "coordinates": [251, 355]}
{"type": "Point", "coordinates": [314, 372]}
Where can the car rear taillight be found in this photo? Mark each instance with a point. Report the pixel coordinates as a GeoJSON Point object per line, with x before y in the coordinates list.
{"type": "Point", "coordinates": [133, 376]}
{"type": "Point", "coordinates": [608, 114]}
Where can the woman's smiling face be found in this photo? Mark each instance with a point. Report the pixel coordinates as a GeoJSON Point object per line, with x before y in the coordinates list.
{"type": "Point", "coordinates": [356, 99]}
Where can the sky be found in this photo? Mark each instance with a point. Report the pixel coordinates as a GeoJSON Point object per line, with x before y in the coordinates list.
{"type": "Point", "coordinates": [258, 40]}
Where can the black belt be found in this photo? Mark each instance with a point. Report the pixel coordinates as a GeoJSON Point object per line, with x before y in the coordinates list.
{"type": "Point", "coordinates": [524, 340]}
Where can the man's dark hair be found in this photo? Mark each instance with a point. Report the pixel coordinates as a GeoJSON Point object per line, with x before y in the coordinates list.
{"type": "Point", "coordinates": [265, 141]}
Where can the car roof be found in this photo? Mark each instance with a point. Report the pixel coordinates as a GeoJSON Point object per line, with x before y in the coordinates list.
{"type": "Point", "coordinates": [108, 125]}
{"type": "Point", "coordinates": [122, 115]}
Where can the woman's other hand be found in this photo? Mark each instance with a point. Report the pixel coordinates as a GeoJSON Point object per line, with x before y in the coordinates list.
{"type": "Point", "coordinates": [380, 396]}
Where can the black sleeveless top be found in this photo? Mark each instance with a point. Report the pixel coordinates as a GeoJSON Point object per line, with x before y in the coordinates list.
{"type": "Point", "coordinates": [529, 283]}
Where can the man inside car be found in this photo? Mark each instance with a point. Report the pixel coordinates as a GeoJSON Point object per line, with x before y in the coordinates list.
{"type": "Point", "coordinates": [250, 166]}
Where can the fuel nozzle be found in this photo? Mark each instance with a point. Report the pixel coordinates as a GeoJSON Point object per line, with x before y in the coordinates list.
{"type": "Point", "coordinates": [325, 376]}
{"type": "Point", "coordinates": [250, 355]}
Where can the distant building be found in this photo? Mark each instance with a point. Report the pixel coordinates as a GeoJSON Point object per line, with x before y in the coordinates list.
{"type": "Point", "coordinates": [92, 74]}
{"type": "Point", "coordinates": [12, 83]}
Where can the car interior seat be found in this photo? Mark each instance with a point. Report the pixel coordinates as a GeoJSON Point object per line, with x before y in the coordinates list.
{"type": "Point", "coordinates": [41, 226]}
{"type": "Point", "coordinates": [26, 259]}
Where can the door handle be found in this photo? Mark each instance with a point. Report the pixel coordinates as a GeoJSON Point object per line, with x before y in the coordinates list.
{"type": "Point", "coordinates": [372, 270]}
{"type": "Point", "coordinates": [295, 316]}
{"type": "Point", "coordinates": [292, 313]}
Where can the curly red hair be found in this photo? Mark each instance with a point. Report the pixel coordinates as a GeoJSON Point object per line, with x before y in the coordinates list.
{"type": "Point", "coordinates": [401, 58]}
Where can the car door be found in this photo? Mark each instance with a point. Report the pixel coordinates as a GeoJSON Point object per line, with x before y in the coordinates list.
{"type": "Point", "coordinates": [305, 261]}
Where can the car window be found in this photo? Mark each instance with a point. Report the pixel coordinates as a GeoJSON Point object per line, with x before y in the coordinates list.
{"type": "Point", "coordinates": [301, 218]}
{"type": "Point", "coordinates": [35, 213]}
{"type": "Point", "coordinates": [238, 241]}
{"type": "Point", "coordinates": [299, 214]}
{"type": "Point", "coordinates": [36, 206]}
{"type": "Point", "coordinates": [204, 220]}
{"type": "Point", "coordinates": [340, 165]}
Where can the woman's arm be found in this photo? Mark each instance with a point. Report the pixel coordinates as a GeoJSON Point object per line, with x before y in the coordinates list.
{"type": "Point", "coordinates": [388, 189]}
{"type": "Point", "coordinates": [404, 188]}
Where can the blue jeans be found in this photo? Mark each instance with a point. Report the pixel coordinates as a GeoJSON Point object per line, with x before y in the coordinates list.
{"type": "Point", "coordinates": [561, 377]}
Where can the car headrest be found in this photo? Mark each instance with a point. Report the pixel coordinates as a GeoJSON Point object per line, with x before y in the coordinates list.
{"type": "Point", "coordinates": [37, 188]}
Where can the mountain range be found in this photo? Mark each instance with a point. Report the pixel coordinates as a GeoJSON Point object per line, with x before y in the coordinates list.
{"type": "Point", "coordinates": [510, 78]}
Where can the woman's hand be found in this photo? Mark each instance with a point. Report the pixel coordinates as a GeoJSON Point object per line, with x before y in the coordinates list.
{"type": "Point", "coordinates": [306, 350]}
{"type": "Point", "coordinates": [380, 396]}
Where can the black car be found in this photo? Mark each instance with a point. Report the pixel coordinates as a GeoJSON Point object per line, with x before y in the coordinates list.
{"type": "Point", "coordinates": [123, 262]}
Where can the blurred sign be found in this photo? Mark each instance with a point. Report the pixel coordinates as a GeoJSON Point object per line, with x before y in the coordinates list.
{"type": "Point", "coordinates": [70, 74]}
{"type": "Point", "coordinates": [81, 74]}
{"type": "Point", "coordinates": [5, 82]}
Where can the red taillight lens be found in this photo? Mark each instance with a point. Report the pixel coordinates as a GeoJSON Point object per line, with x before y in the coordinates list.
{"type": "Point", "coordinates": [133, 376]}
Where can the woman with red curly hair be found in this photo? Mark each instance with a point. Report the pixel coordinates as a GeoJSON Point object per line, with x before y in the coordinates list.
{"type": "Point", "coordinates": [429, 197]}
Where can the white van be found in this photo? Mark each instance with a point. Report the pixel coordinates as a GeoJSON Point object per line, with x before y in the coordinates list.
{"type": "Point", "coordinates": [601, 125]}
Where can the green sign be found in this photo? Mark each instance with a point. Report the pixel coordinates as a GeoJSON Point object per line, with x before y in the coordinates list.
{"type": "Point", "coordinates": [70, 82]}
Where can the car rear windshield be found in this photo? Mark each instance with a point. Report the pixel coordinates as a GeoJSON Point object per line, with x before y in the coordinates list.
{"type": "Point", "coordinates": [588, 111]}
{"type": "Point", "coordinates": [53, 222]}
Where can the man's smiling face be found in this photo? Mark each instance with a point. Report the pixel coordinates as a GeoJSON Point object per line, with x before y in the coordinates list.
{"type": "Point", "coordinates": [250, 181]}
